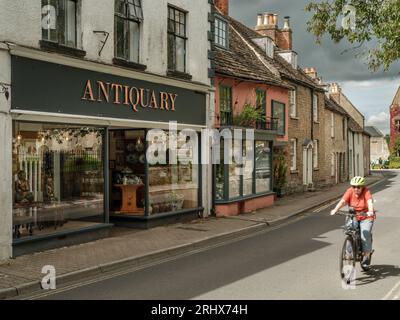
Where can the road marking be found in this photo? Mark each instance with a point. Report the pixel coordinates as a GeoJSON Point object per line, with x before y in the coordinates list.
{"type": "Point", "coordinates": [391, 292]}
{"type": "Point", "coordinates": [319, 209]}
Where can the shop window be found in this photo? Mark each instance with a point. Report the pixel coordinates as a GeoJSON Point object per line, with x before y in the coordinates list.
{"type": "Point", "coordinates": [176, 40]}
{"type": "Point", "coordinates": [225, 106]}
{"type": "Point", "coordinates": [173, 182]}
{"type": "Point", "coordinates": [262, 166]}
{"type": "Point", "coordinates": [279, 113]}
{"type": "Point", "coordinates": [59, 22]}
{"type": "Point", "coordinates": [221, 33]}
{"type": "Point", "coordinates": [249, 176]}
{"type": "Point", "coordinates": [127, 172]}
{"type": "Point", "coordinates": [220, 175]}
{"type": "Point", "coordinates": [58, 182]}
{"type": "Point", "coordinates": [128, 18]}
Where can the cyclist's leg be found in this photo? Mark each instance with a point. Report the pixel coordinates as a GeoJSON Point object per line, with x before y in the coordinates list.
{"type": "Point", "coordinates": [366, 236]}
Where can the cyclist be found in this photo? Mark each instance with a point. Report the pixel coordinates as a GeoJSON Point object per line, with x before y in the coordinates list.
{"type": "Point", "coordinates": [360, 198]}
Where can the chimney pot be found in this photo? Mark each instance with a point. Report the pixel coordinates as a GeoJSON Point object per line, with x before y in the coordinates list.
{"type": "Point", "coordinates": [286, 24]}
{"type": "Point", "coordinates": [260, 20]}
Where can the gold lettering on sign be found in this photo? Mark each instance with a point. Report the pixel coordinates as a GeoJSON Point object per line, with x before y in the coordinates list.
{"type": "Point", "coordinates": [117, 89]}
{"type": "Point", "coordinates": [173, 99]}
{"type": "Point", "coordinates": [164, 101]}
{"type": "Point", "coordinates": [126, 93]}
{"type": "Point", "coordinates": [134, 104]}
{"type": "Point", "coordinates": [144, 105]}
{"type": "Point", "coordinates": [129, 96]}
{"type": "Point", "coordinates": [153, 101]}
{"type": "Point", "coordinates": [88, 91]}
{"type": "Point", "coordinates": [102, 89]}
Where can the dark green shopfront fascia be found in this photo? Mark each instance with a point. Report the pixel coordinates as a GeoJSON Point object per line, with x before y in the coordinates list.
{"type": "Point", "coordinates": [79, 152]}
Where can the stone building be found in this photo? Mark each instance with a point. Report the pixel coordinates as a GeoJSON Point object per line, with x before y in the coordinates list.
{"type": "Point", "coordinates": [358, 156]}
{"type": "Point", "coordinates": [379, 146]}
{"type": "Point", "coordinates": [82, 83]}
{"type": "Point", "coordinates": [336, 142]}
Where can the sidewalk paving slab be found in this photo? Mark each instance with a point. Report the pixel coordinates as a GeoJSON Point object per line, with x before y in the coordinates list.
{"type": "Point", "coordinates": [129, 248]}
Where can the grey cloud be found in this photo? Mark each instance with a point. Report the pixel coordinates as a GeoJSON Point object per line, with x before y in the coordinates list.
{"type": "Point", "coordinates": [331, 64]}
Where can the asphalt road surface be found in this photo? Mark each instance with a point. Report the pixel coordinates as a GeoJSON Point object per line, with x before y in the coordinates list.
{"type": "Point", "coordinates": [297, 260]}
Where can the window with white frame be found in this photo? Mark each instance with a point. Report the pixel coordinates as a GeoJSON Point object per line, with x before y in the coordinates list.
{"type": "Point", "coordinates": [315, 107]}
{"type": "Point", "coordinates": [221, 33]}
{"type": "Point", "coordinates": [293, 154]}
{"type": "Point", "coordinates": [59, 22]}
{"type": "Point", "coordinates": [128, 18]}
{"type": "Point", "coordinates": [332, 125]}
{"type": "Point", "coordinates": [292, 101]}
{"type": "Point", "coordinates": [315, 154]}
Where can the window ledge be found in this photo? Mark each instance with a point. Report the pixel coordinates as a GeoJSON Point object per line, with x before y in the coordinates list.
{"type": "Point", "coordinates": [294, 118]}
{"type": "Point", "coordinates": [316, 169]}
{"type": "Point", "coordinates": [59, 48]}
{"type": "Point", "coordinates": [129, 64]}
{"type": "Point", "coordinates": [316, 122]}
{"type": "Point", "coordinates": [294, 171]}
{"type": "Point", "coordinates": [178, 74]}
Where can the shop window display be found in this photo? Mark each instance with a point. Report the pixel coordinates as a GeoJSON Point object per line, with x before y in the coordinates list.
{"type": "Point", "coordinates": [174, 187]}
{"type": "Point", "coordinates": [263, 166]}
{"type": "Point", "coordinates": [58, 180]}
{"type": "Point", "coordinates": [127, 168]}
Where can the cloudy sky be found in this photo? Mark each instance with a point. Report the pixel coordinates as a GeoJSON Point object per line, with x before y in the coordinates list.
{"type": "Point", "coordinates": [372, 93]}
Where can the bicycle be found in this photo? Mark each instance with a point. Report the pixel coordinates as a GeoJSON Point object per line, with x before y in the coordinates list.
{"type": "Point", "coordinates": [352, 250]}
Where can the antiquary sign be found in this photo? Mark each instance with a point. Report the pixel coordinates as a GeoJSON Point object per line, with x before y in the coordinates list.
{"type": "Point", "coordinates": [55, 88]}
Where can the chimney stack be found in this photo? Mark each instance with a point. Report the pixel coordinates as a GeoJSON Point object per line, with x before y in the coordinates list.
{"type": "Point", "coordinates": [311, 72]}
{"type": "Point", "coordinates": [223, 6]}
{"type": "Point", "coordinates": [267, 25]}
{"type": "Point", "coordinates": [334, 88]}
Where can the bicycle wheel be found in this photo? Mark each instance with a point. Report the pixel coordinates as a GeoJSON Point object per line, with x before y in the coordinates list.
{"type": "Point", "coordinates": [347, 261]}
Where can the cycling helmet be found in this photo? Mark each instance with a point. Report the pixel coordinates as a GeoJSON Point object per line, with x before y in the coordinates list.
{"type": "Point", "coordinates": [358, 182]}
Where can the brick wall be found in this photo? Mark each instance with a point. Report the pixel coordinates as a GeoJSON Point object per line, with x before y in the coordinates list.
{"type": "Point", "coordinates": [394, 133]}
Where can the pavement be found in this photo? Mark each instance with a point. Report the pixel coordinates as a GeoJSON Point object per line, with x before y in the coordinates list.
{"type": "Point", "coordinates": [128, 249]}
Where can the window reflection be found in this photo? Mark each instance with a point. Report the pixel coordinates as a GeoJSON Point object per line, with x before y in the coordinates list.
{"type": "Point", "coordinates": [57, 178]}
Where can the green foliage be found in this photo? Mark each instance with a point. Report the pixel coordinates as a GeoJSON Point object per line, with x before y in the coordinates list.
{"type": "Point", "coordinates": [377, 22]}
{"type": "Point", "coordinates": [280, 168]}
{"type": "Point", "coordinates": [248, 117]}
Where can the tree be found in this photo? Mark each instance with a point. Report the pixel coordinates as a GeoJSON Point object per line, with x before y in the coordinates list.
{"type": "Point", "coordinates": [376, 22]}
{"type": "Point", "coordinates": [387, 138]}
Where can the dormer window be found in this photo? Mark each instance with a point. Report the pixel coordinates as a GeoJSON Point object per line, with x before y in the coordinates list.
{"type": "Point", "coordinates": [221, 33]}
{"type": "Point", "coordinates": [266, 44]}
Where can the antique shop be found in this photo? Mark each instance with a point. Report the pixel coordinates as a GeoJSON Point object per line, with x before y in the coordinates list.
{"type": "Point", "coordinates": [79, 160]}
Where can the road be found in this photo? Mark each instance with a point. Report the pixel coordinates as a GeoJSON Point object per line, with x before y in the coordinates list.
{"type": "Point", "coordinates": [297, 260]}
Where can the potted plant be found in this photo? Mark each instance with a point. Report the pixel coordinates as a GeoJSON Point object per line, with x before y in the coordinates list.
{"type": "Point", "coordinates": [280, 173]}
{"type": "Point", "coordinates": [249, 116]}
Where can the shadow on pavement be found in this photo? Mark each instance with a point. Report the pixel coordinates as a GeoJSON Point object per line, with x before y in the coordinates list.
{"type": "Point", "coordinates": [378, 272]}
{"type": "Point", "coordinates": [190, 276]}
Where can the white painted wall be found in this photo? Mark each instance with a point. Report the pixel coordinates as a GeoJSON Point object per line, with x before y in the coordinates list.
{"type": "Point", "coordinates": [5, 160]}
{"type": "Point", "coordinates": [20, 22]}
